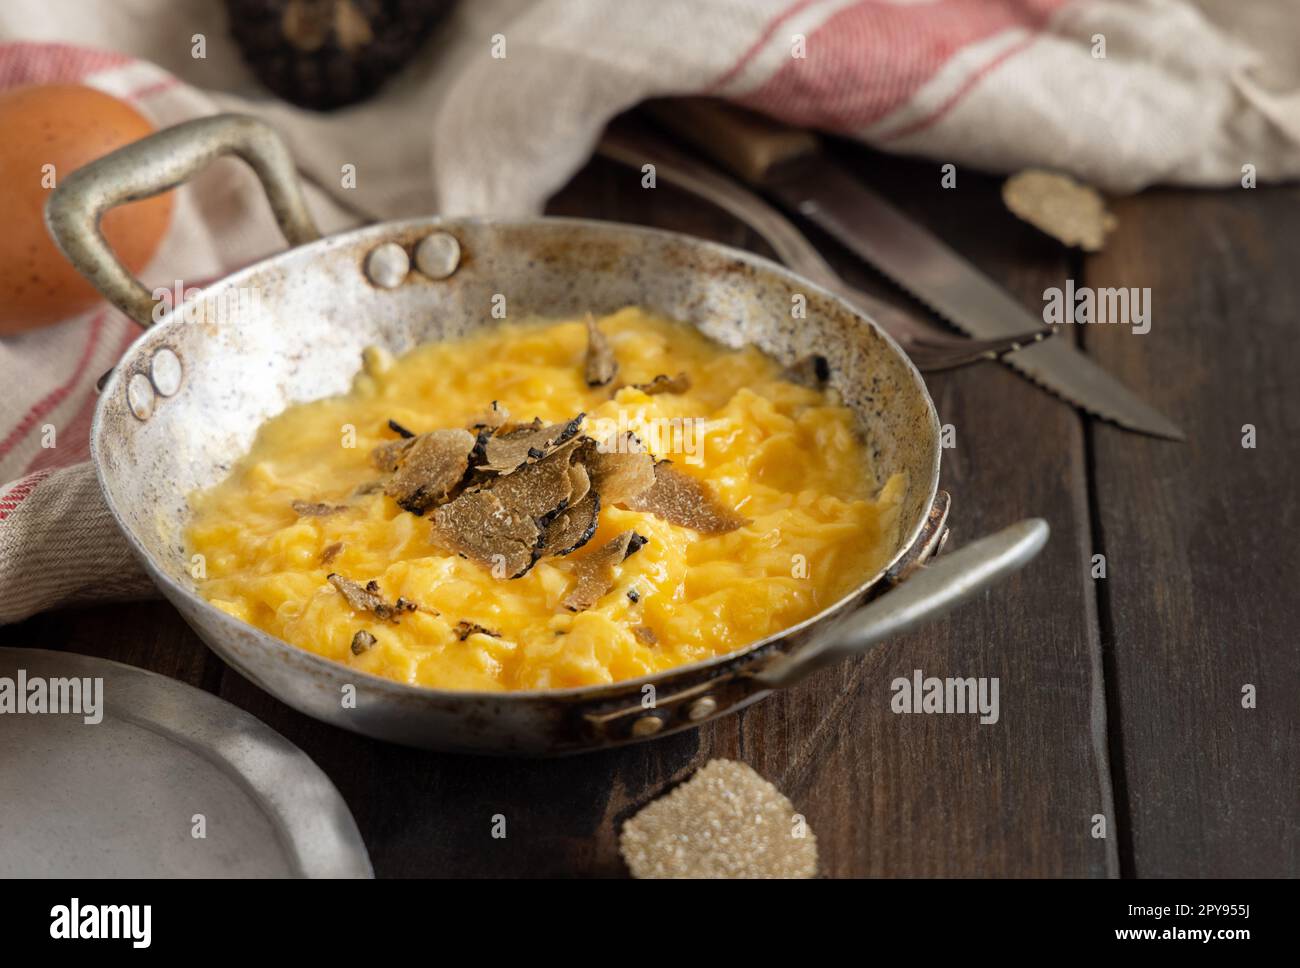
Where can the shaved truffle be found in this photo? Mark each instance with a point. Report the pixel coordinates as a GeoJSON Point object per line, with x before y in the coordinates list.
{"type": "Point", "coordinates": [681, 499]}
{"type": "Point", "coordinates": [465, 629]}
{"type": "Point", "coordinates": [724, 822]}
{"type": "Point", "coordinates": [362, 641]}
{"type": "Point", "coordinates": [665, 384]}
{"type": "Point", "coordinates": [618, 475]}
{"type": "Point", "coordinates": [429, 469]}
{"type": "Point", "coordinates": [366, 598]}
{"type": "Point", "coordinates": [572, 528]}
{"type": "Point", "coordinates": [480, 527]}
{"type": "Point", "coordinates": [388, 455]}
{"type": "Point", "coordinates": [514, 448]}
{"type": "Point", "coordinates": [1065, 209]}
{"type": "Point", "coordinates": [538, 489]}
{"type": "Point", "coordinates": [645, 635]}
{"type": "Point", "coordinates": [401, 431]}
{"type": "Point", "coordinates": [601, 366]}
{"type": "Point", "coordinates": [308, 509]}
{"type": "Point", "coordinates": [579, 481]}
{"type": "Point", "coordinates": [330, 552]}
{"type": "Point", "coordinates": [595, 572]}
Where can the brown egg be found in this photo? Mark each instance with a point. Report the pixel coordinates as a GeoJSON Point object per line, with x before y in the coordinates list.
{"type": "Point", "coordinates": [64, 126]}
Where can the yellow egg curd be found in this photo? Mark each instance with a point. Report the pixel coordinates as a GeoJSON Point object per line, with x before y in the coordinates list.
{"type": "Point", "coordinates": [783, 455]}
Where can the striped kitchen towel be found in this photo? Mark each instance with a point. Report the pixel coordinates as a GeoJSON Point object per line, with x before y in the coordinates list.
{"type": "Point", "coordinates": [510, 97]}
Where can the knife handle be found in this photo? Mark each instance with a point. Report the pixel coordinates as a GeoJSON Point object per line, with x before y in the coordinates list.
{"type": "Point", "coordinates": [748, 145]}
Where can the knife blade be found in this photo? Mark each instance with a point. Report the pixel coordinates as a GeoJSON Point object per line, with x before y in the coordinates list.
{"type": "Point", "coordinates": [930, 348]}
{"type": "Point", "coordinates": [787, 165]}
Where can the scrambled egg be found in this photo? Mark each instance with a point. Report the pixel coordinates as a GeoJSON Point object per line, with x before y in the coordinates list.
{"type": "Point", "coordinates": [785, 456]}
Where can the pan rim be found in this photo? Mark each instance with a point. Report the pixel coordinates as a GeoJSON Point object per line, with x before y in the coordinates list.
{"type": "Point", "coordinates": [172, 588]}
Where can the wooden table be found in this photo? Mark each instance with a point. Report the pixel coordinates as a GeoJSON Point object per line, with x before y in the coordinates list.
{"type": "Point", "coordinates": [1120, 697]}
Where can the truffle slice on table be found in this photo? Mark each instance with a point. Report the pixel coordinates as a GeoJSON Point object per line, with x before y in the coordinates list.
{"type": "Point", "coordinates": [724, 822]}
{"type": "Point", "coordinates": [1071, 212]}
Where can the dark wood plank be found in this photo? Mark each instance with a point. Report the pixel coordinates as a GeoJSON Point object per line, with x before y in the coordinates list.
{"type": "Point", "coordinates": [148, 634]}
{"type": "Point", "coordinates": [943, 795]}
{"type": "Point", "coordinates": [1199, 537]}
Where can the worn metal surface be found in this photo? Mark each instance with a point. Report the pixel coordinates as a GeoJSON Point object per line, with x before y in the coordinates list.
{"type": "Point", "coordinates": [292, 329]}
{"type": "Point", "coordinates": [118, 799]}
{"type": "Point", "coordinates": [153, 165]}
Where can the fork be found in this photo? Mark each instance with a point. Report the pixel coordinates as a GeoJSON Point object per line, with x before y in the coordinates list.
{"type": "Point", "coordinates": [929, 348]}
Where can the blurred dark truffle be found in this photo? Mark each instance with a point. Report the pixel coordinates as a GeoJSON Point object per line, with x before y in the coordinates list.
{"type": "Point", "coordinates": [324, 54]}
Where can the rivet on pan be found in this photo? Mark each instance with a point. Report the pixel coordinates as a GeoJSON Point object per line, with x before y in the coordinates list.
{"type": "Point", "coordinates": [438, 255]}
{"type": "Point", "coordinates": [702, 708]}
{"type": "Point", "coordinates": [387, 265]}
{"type": "Point", "coordinates": [139, 396]}
{"type": "Point", "coordinates": [165, 371]}
{"type": "Point", "coordinates": [647, 726]}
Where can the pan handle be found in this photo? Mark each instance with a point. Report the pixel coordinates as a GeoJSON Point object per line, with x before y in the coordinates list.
{"type": "Point", "coordinates": [931, 591]}
{"type": "Point", "coordinates": [154, 165]}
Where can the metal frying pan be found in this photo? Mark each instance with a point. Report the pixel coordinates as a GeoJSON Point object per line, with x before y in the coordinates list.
{"type": "Point", "coordinates": [190, 393]}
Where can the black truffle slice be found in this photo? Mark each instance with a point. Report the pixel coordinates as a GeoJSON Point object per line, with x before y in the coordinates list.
{"type": "Point", "coordinates": [429, 469]}
{"type": "Point", "coordinates": [514, 448]}
{"type": "Point", "coordinates": [310, 509]}
{"type": "Point", "coordinates": [571, 528]}
{"type": "Point", "coordinates": [388, 455]}
{"type": "Point", "coordinates": [601, 366]}
{"type": "Point", "coordinates": [538, 489]}
{"type": "Point", "coordinates": [595, 572]}
{"type": "Point", "coordinates": [362, 642]}
{"type": "Point", "coordinates": [618, 475]}
{"type": "Point", "coordinates": [665, 384]}
{"type": "Point", "coordinates": [465, 629]}
{"type": "Point", "coordinates": [579, 482]}
{"type": "Point", "coordinates": [480, 527]}
{"type": "Point", "coordinates": [366, 598]}
{"type": "Point", "coordinates": [681, 499]}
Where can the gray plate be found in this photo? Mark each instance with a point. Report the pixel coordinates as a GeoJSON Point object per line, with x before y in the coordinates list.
{"type": "Point", "coordinates": [118, 798]}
